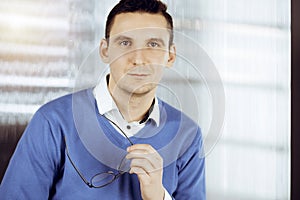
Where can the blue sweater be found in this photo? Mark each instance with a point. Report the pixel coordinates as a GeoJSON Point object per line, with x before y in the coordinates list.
{"type": "Point", "coordinates": [40, 169]}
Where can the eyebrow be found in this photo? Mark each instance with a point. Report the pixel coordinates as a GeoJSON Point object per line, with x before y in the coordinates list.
{"type": "Point", "coordinates": [121, 37]}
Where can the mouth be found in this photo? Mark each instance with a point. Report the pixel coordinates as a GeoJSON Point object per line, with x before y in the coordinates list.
{"type": "Point", "coordinates": [138, 74]}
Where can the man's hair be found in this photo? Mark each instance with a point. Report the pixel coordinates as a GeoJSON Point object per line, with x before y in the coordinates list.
{"type": "Point", "coordinates": [142, 6]}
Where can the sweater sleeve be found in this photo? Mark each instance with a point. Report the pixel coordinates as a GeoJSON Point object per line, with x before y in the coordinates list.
{"type": "Point", "coordinates": [34, 164]}
{"type": "Point", "coordinates": [191, 174]}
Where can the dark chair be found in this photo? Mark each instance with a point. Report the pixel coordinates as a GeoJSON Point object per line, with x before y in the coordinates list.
{"type": "Point", "coordinates": [9, 137]}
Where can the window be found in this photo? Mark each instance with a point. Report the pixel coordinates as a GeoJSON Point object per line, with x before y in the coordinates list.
{"type": "Point", "coordinates": [249, 42]}
{"type": "Point", "coordinates": [44, 43]}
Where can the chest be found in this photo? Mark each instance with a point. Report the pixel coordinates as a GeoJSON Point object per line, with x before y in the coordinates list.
{"type": "Point", "coordinates": [71, 185]}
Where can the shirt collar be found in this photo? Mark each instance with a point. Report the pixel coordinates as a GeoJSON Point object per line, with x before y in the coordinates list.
{"type": "Point", "coordinates": [106, 104]}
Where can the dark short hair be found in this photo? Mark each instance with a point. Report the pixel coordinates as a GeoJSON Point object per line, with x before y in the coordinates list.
{"type": "Point", "coordinates": [146, 6]}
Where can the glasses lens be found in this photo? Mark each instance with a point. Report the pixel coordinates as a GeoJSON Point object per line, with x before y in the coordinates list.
{"type": "Point", "coordinates": [102, 179]}
{"type": "Point", "coordinates": [124, 165]}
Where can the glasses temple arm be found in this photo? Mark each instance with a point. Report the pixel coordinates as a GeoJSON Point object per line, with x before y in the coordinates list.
{"type": "Point", "coordinates": [79, 173]}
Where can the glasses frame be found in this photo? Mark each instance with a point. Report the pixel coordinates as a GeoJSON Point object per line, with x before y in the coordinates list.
{"type": "Point", "coordinates": [111, 173]}
{"type": "Point", "coordinates": [90, 183]}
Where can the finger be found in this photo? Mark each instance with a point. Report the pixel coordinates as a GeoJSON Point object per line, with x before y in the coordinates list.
{"type": "Point", "coordinates": [143, 164]}
{"type": "Point", "coordinates": [142, 175]}
{"type": "Point", "coordinates": [144, 147]}
{"type": "Point", "coordinates": [142, 154]}
{"type": "Point", "coordinates": [140, 151]}
{"type": "Point", "coordinates": [138, 171]}
{"type": "Point", "coordinates": [143, 150]}
{"type": "Point", "coordinates": [152, 158]}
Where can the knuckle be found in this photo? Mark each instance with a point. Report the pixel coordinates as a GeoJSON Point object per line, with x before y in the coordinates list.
{"type": "Point", "coordinates": [148, 147]}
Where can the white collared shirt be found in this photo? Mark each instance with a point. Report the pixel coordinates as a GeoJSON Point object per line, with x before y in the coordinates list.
{"type": "Point", "coordinates": [108, 108]}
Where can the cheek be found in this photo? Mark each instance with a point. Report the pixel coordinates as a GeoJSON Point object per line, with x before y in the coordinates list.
{"type": "Point", "coordinates": [159, 72]}
{"type": "Point", "coordinates": [159, 56]}
{"type": "Point", "coordinates": [117, 58]}
{"type": "Point", "coordinates": [117, 54]}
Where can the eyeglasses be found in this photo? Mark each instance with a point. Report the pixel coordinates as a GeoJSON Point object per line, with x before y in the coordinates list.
{"type": "Point", "coordinates": [104, 178]}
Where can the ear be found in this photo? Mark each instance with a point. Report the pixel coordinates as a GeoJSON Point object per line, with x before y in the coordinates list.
{"type": "Point", "coordinates": [172, 56]}
{"type": "Point", "coordinates": [103, 51]}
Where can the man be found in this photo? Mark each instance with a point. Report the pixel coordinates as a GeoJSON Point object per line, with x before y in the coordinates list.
{"type": "Point", "coordinates": [72, 148]}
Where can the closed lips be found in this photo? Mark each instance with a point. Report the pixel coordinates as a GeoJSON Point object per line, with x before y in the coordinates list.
{"type": "Point", "coordinates": [138, 74]}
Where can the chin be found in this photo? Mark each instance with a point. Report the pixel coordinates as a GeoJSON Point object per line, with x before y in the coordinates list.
{"type": "Point", "coordinates": [144, 89]}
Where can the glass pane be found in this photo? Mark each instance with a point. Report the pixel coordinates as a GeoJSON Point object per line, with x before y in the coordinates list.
{"type": "Point", "coordinates": [249, 42]}
{"type": "Point", "coordinates": [44, 43]}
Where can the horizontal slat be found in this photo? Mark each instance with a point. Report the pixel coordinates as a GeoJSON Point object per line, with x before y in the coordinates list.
{"type": "Point", "coordinates": [11, 48]}
{"type": "Point", "coordinates": [16, 21]}
{"type": "Point", "coordinates": [18, 108]}
{"type": "Point", "coordinates": [35, 8]}
{"type": "Point", "coordinates": [36, 81]}
{"type": "Point", "coordinates": [36, 69]}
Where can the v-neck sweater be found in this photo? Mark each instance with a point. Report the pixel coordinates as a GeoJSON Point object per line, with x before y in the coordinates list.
{"type": "Point", "coordinates": [40, 169]}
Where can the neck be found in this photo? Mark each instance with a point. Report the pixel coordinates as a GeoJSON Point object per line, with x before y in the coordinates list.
{"type": "Point", "coordinates": [132, 106]}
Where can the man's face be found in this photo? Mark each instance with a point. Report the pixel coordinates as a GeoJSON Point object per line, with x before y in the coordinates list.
{"type": "Point", "coordinates": [137, 52]}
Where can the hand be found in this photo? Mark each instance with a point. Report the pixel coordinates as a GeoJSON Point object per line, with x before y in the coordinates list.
{"type": "Point", "coordinates": [147, 164]}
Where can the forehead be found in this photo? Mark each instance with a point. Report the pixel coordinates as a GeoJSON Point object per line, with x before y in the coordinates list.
{"type": "Point", "coordinates": [139, 24]}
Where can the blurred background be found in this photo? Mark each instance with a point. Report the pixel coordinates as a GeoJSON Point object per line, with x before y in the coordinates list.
{"type": "Point", "coordinates": [44, 43]}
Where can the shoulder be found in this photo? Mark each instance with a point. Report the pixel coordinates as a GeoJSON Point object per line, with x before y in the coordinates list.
{"type": "Point", "coordinates": [179, 124]}
{"type": "Point", "coordinates": [184, 137]}
{"type": "Point", "coordinates": [64, 104]}
{"type": "Point", "coordinates": [174, 115]}
{"type": "Point", "coordinates": [57, 103]}
{"type": "Point", "coordinates": [67, 99]}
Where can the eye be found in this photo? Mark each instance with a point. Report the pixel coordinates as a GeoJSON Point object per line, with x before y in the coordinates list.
{"type": "Point", "coordinates": [125, 43]}
{"type": "Point", "coordinates": [153, 44]}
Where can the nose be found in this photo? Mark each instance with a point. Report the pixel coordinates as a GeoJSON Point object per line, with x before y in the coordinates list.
{"type": "Point", "coordinates": [138, 57]}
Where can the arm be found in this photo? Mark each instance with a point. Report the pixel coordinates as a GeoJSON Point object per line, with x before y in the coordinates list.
{"type": "Point", "coordinates": [32, 169]}
{"type": "Point", "coordinates": [191, 174]}
{"type": "Point", "coordinates": [147, 164]}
